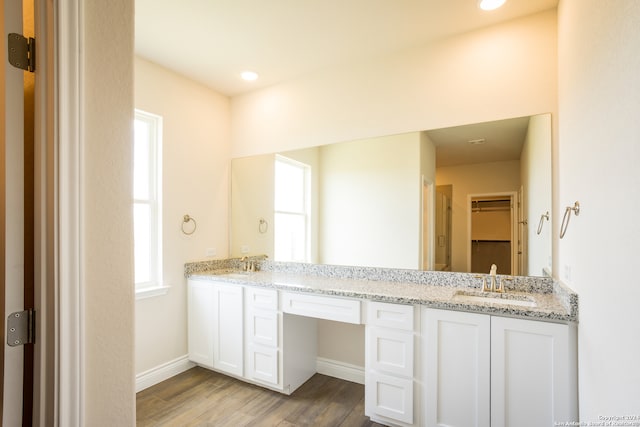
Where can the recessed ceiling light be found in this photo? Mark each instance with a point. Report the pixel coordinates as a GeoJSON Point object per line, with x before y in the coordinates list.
{"type": "Point", "coordinates": [478, 141]}
{"type": "Point", "coordinates": [249, 76]}
{"type": "Point", "coordinates": [490, 4]}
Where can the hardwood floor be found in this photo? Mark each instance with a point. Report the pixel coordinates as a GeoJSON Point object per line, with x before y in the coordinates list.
{"type": "Point", "coordinates": [199, 397]}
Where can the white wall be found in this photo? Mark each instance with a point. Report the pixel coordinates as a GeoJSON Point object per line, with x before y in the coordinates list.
{"type": "Point", "coordinates": [599, 104]}
{"type": "Point", "coordinates": [535, 177]}
{"type": "Point", "coordinates": [370, 202]}
{"type": "Point", "coordinates": [482, 178]}
{"type": "Point", "coordinates": [195, 151]}
{"type": "Point", "coordinates": [503, 71]}
{"type": "Point", "coordinates": [107, 229]}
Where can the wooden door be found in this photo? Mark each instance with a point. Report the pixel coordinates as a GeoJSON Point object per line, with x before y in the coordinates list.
{"type": "Point", "coordinates": [17, 215]}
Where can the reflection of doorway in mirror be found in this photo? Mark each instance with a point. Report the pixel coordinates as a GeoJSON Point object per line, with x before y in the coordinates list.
{"type": "Point", "coordinates": [493, 232]}
{"type": "Point", "coordinates": [428, 226]}
{"type": "Point", "coordinates": [523, 233]}
{"type": "Point", "coordinates": [444, 195]}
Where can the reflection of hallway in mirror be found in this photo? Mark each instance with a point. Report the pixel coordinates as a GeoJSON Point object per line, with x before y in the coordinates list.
{"type": "Point", "coordinates": [491, 234]}
{"type": "Point", "coordinates": [443, 227]}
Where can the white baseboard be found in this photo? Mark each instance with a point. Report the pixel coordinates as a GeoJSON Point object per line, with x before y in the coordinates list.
{"type": "Point", "coordinates": [163, 372]}
{"type": "Point", "coordinates": [337, 369]}
{"type": "Point", "coordinates": [329, 367]}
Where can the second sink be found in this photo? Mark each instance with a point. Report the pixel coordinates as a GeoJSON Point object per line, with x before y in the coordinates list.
{"type": "Point", "coordinates": [494, 298]}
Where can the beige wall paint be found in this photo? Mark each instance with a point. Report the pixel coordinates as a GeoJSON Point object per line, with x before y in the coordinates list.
{"type": "Point", "coordinates": [107, 257]}
{"type": "Point", "coordinates": [483, 178]}
{"type": "Point", "coordinates": [341, 341]}
{"type": "Point", "coordinates": [195, 151]}
{"type": "Point", "coordinates": [503, 71]}
{"type": "Point", "coordinates": [599, 104]}
{"type": "Point", "coordinates": [370, 202]}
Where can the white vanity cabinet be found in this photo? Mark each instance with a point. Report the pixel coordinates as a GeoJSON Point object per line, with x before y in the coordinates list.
{"type": "Point", "coordinates": [456, 377]}
{"type": "Point", "coordinates": [482, 370]}
{"type": "Point", "coordinates": [215, 325]}
{"type": "Point", "coordinates": [533, 373]}
{"type": "Point", "coordinates": [262, 321]}
{"type": "Point", "coordinates": [241, 330]}
{"type": "Point", "coordinates": [200, 302]}
{"type": "Point", "coordinates": [228, 345]}
{"type": "Point", "coordinates": [280, 349]}
{"type": "Point", "coordinates": [390, 364]}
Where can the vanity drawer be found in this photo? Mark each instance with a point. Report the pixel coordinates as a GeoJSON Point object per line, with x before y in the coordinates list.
{"type": "Point", "coordinates": [262, 327]}
{"type": "Point", "coordinates": [322, 307]}
{"type": "Point", "coordinates": [389, 397]}
{"type": "Point", "coordinates": [390, 351]}
{"type": "Point", "coordinates": [262, 298]}
{"type": "Point", "coordinates": [263, 364]}
{"type": "Point", "coordinates": [396, 316]}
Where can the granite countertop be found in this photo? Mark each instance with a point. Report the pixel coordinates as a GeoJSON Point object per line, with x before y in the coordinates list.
{"type": "Point", "coordinates": [553, 302]}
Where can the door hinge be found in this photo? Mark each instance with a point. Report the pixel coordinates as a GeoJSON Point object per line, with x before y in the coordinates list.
{"type": "Point", "coordinates": [22, 52]}
{"type": "Point", "coordinates": [21, 328]}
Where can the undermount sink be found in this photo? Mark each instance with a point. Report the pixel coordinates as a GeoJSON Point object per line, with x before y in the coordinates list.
{"type": "Point", "coordinates": [237, 275]}
{"type": "Point", "coordinates": [494, 298]}
{"type": "Point", "coordinates": [233, 274]}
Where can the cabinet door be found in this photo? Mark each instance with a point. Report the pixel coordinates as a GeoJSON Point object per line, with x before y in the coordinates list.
{"type": "Point", "coordinates": [228, 329]}
{"type": "Point", "coordinates": [200, 322]}
{"type": "Point", "coordinates": [456, 352]}
{"type": "Point", "coordinates": [390, 396]}
{"type": "Point", "coordinates": [530, 373]}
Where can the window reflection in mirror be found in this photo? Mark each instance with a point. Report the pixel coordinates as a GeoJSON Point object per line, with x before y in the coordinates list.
{"type": "Point", "coordinates": [291, 213]}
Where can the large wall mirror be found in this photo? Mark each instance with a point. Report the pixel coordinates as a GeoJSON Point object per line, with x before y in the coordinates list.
{"type": "Point", "coordinates": [454, 199]}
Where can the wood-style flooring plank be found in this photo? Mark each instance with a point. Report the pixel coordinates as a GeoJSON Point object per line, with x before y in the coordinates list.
{"type": "Point", "coordinates": [199, 397]}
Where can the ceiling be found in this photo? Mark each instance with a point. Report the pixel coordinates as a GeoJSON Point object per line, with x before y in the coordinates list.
{"type": "Point", "coordinates": [212, 41]}
{"type": "Point", "coordinates": [502, 140]}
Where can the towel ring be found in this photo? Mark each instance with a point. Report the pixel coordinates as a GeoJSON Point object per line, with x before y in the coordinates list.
{"type": "Point", "coordinates": [541, 223]}
{"type": "Point", "coordinates": [263, 225]}
{"type": "Point", "coordinates": [185, 220]}
{"type": "Point", "coordinates": [567, 217]}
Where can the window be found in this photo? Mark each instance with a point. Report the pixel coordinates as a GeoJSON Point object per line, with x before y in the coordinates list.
{"type": "Point", "coordinates": [147, 207]}
{"type": "Point", "coordinates": [291, 216]}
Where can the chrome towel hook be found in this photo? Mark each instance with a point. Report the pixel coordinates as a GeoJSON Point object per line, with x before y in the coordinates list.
{"type": "Point", "coordinates": [541, 223]}
{"type": "Point", "coordinates": [567, 217]}
{"type": "Point", "coordinates": [185, 220]}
